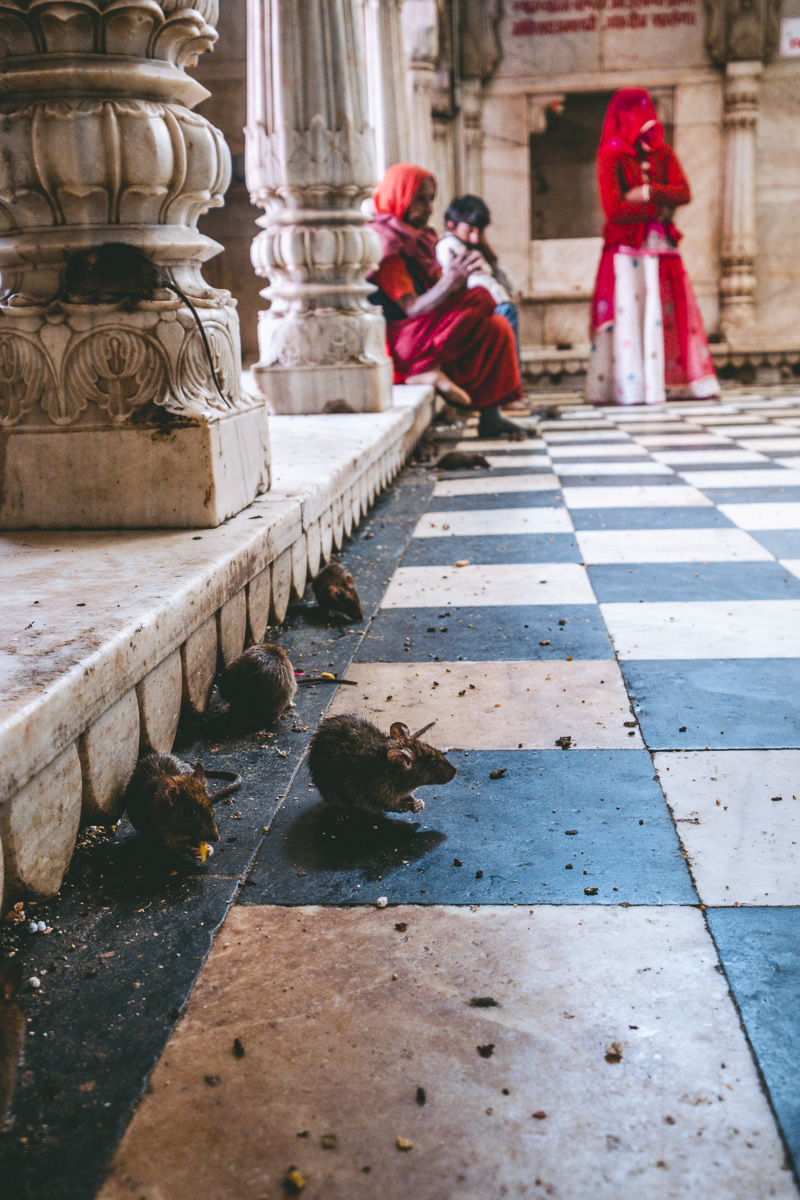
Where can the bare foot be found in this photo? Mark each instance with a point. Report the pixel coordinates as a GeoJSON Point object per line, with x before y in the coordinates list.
{"type": "Point", "coordinates": [448, 390]}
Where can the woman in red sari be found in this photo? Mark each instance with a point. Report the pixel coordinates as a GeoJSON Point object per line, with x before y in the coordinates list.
{"type": "Point", "coordinates": [439, 331]}
{"type": "Point", "coordinates": [648, 342]}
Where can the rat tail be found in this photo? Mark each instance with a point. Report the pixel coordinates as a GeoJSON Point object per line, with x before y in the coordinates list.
{"type": "Point", "coordinates": [170, 283]}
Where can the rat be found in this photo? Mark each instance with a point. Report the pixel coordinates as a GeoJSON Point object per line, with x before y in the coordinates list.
{"type": "Point", "coordinates": [12, 1036]}
{"type": "Point", "coordinates": [355, 765]}
{"type": "Point", "coordinates": [260, 683]}
{"type": "Point", "coordinates": [335, 592]}
{"type": "Point", "coordinates": [116, 271]}
{"type": "Point", "coordinates": [457, 460]}
{"type": "Point", "coordinates": [167, 802]}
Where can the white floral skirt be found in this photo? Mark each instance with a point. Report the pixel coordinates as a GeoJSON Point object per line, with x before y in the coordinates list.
{"type": "Point", "coordinates": [655, 348]}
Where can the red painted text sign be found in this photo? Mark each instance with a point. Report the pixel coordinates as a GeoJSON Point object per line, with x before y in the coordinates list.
{"type": "Point", "coordinates": [542, 18]}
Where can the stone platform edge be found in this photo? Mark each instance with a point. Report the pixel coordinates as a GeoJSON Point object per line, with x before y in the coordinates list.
{"type": "Point", "coordinates": [72, 724]}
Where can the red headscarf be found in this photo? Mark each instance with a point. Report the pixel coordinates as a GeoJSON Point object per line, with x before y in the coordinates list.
{"type": "Point", "coordinates": [393, 196]}
{"type": "Point", "coordinates": [631, 116]}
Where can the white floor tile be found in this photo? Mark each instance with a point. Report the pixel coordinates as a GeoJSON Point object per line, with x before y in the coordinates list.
{"type": "Point", "coordinates": [698, 438]}
{"type": "Point", "coordinates": [509, 705]}
{"type": "Point", "coordinates": [635, 497]}
{"type": "Point", "coordinates": [713, 455]}
{"type": "Point", "coordinates": [491, 485]}
{"type": "Point", "coordinates": [779, 477]}
{"type": "Point", "coordinates": [345, 1013]}
{"type": "Point", "coordinates": [763, 516]}
{"type": "Point", "coordinates": [558, 437]}
{"type": "Point", "coordinates": [486, 445]}
{"type": "Point", "coordinates": [635, 467]}
{"type": "Point", "coordinates": [729, 422]}
{"type": "Point", "coordinates": [791, 564]}
{"type": "Point", "coordinates": [738, 818]}
{"type": "Point", "coordinates": [510, 583]}
{"type": "Point", "coordinates": [606, 450]}
{"type": "Point", "coordinates": [501, 521]}
{"type": "Point", "coordinates": [534, 462]}
{"type": "Point", "coordinates": [669, 545]}
{"type": "Point", "coordinates": [705, 629]}
{"type": "Point", "coordinates": [771, 443]}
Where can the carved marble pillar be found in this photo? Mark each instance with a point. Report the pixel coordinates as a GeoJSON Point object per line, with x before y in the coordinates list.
{"type": "Point", "coordinates": [109, 415]}
{"type": "Point", "coordinates": [386, 81]}
{"type": "Point", "coordinates": [472, 136]}
{"type": "Point", "coordinates": [738, 247]}
{"type": "Point", "coordinates": [309, 164]}
{"type": "Point", "coordinates": [421, 38]}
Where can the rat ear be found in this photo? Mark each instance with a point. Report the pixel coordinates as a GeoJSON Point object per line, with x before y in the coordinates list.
{"type": "Point", "coordinates": [402, 757]}
{"type": "Point", "coordinates": [170, 790]}
{"type": "Point", "coordinates": [199, 772]}
{"type": "Point", "coordinates": [334, 592]}
{"type": "Point", "coordinates": [398, 730]}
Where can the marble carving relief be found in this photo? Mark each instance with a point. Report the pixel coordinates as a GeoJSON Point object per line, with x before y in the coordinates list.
{"type": "Point", "coordinates": [101, 145]}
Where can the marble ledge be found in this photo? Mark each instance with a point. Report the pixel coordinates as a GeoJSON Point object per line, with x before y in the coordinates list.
{"type": "Point", "coordinates": [86, 615]}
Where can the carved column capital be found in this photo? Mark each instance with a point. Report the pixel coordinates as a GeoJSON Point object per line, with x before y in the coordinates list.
{"type": "Point", "coordinates": [739, 30]}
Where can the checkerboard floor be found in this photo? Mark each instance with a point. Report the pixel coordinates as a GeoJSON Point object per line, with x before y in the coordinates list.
{"type": "Point", "coordinates": [585, 982]}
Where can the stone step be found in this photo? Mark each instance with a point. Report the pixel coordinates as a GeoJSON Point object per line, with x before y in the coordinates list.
{"type": "Point", "coordinates": [108, 634]}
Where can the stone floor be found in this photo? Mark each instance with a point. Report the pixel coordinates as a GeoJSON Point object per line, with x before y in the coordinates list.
{"type": "Point", "coordinates": [584, 980]}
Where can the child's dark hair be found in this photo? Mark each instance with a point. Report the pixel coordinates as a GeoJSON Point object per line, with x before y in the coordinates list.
{"type": "Point", "coordinates": [470, 209]}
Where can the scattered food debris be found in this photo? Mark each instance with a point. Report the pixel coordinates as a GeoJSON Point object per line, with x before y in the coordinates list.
{"type": "Point", "coordinates": [564, 742]}
{"type": "Point", "coordinates": [500, 773]}
{"type": "Point", "coordinates": [458, 862]}
{"type": "Point", "coordinates": [613, 1052]}
{"type": "Point", "coordinates": [461, 562]}
{"type": "Point", "coordinates": [294, 1181]}
{"type": "Point", "coordinates": [213, 1080]}
{"type": "Point", "coordinates": [483, 1002]}
{"type": "Point", "coordinates": [329, 1141]}
{"type": "Point", "coordinates": [404, 1143]}
{"type": "Point", "coordinates": [570, 832]}
{"type": "Point", "coordinates": [479, 874]}
{"type": "Point", "coordinates": [486, 1051]}
{"type": "Point", "coordinates": [539, 1115]}
{"type": "Point", "coordinates": [238, 1048]}
{"type": "Point", "coordinates": [382, 902]}
{"type": "Point", "coordinates": [545, 642]}
{"type": "Point", "coordinates": [590, 891]}
{"type": "Point", "coordinates": [401, 926]}
{"type": "Point", "coordinates": [421, 1097]}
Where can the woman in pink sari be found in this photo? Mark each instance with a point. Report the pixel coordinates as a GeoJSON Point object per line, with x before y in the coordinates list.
{"type": "Point", "coordinates": [439, 331]}
{"type": "Point", "coordinates": [648, 342]}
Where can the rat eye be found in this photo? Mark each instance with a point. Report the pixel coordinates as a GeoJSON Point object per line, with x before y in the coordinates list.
{"type": "Point", "coordinates": [195, 811]}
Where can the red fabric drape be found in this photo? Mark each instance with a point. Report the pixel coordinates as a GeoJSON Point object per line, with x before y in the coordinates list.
{"type": "Point", "coordinates": [463, 337]}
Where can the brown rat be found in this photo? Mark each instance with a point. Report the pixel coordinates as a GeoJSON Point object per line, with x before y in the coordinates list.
{"type": "Point", "coordinates": [116, 271]}
{"type": "Point", "coordinates": [335, 592]}
{"type": "Point", "coordinates": [167, 802]}
{"type": "Point", "coordinates": [260, 684]}
{"type": "Point", "coordinates": [355, 765]}
{"type": "Point", "coordinates": [459, 460]}
{"type": "Point", "coordinates": [12, 1035]}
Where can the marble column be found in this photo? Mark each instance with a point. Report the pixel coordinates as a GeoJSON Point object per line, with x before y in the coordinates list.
{"type": "Point", "coordinates": [386, 81]}
{"type": "Point", "coordinates": [421, 38]}
{"type": "Point", "coordinates": [110, 416]}
{"type": "Point", "coordinates": [472, 138]}
{"type": "Point", "coordinates": [738, 244]}
{"type": "Point", "coordinates": [309, 165]}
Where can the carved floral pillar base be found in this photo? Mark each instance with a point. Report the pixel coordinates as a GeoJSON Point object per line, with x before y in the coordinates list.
{"type": "Point", "coordinates": [187, 473]}
{"type": "Point", "coordinates": [109, 415]}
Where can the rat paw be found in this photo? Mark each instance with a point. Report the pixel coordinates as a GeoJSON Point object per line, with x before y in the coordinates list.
{"type": "Point", "coordinates": [410, 804]}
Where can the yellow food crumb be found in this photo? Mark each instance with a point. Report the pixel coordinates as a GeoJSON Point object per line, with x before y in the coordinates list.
{"type": "Point", "coordinates": [202, 851]}
{"type": "Point", "coordinates": [404, 1144]}
{"type": "Point", "coordinates": [326, 675]}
